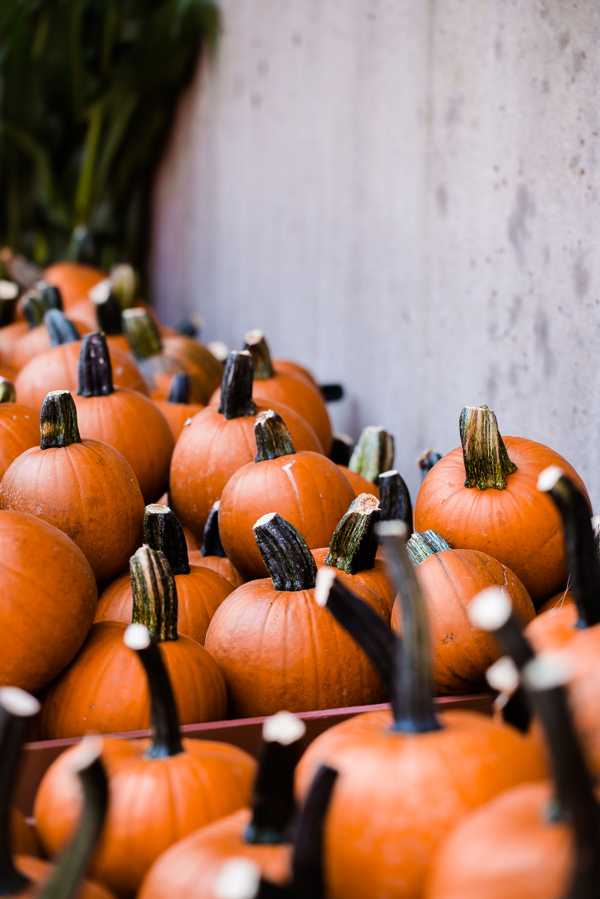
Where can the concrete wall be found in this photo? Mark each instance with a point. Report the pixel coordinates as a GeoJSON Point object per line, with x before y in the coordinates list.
{"type": "Point", "coordinates": [405, 196]}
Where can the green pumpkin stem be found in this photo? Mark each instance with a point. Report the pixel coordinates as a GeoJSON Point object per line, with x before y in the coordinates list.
{"type": "Point", "coordinates": [124, 284]}
{"type": "Point", "coordinates": [166, 737]}
{"type": "Point", "coordinates": [236, 386]}
{"type": "Point", "coordinates": [9, 295]}
{"type": "Point", "coordinates": [50, 296]}
{"type": "Point", "coordinates": [256, 345]}
{"type": "Point", "coordinates": [289, 561]}
{"type": "Point", "coordinates": [272, 800]}
{"type": "Point", "coordinates": [394, 498]}
{"type": "Point", "coordinates": [435, 541]}
{"type": "Point", "coordinates": [179, 391]}
{"type": "Point", "coordinates": [373, 454]}
{"type": "Point", "coordinates": [486, 461]}
{"type": "Point", "coordinates": [580, 546]}
{"type": "Point", "coordinates": [163, 531]}
{"type": "Point", "coordinates": [7, 391]}
{"type": "Point", "coordinates": [95, 368]}
{"type": "Point", "coordinates": [354, 543]}
{"type": "Point", "coordinates": [108, 312]}
{"type": "Point", "coordinates": [66, 878]}
{"type": "Point", "coordinates": [141, 333]}
{"type": "Point", "coordinates": [308, 875]}
{"type": "Point", "coordinates": [420, 546]}
{"type": "Point", "coordinates": [154, 593]}
{"type": "Point", "coordinates": [33, 309]}
{"type": "Point", "coordinates": [272, 436]}
{"type": "Point", "coordinates": [58, 420]}
{"type": "Point", "coordinates": [211, 541]}
{"type": "Point", "coordinates": [61, 330]}
{"type": "Point", "coordinates": [16, 710]}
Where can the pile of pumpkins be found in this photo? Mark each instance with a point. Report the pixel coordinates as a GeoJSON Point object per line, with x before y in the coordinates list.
{"type": "Point", "coordinates": [182, 540]}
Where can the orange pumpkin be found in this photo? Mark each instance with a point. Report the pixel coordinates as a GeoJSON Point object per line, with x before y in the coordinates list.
{"type": "Point", "coordinates": [211, 554]}
{"type": "Point", "coordinates": [177, 408]}
{"type": "Point", "coordinates": [73, 279]}
{"type": "Point", "coordinates": [19, 426]}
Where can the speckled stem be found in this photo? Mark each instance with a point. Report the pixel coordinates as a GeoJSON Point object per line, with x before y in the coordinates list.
{"type": "Point", "coordinates": [289, 561]}
{"type": "Point", "coordinates": [426, 461]}
{"type": "Point", "coordinates": [236, 386]}
{"type": "Point", "coordinates": [180, 389]}
{"type": "Point", "coordinates": [7, 391]}
{"type": "Point", "coordinates": [341, 449]}
{"type": "Point", "coordinates": [581, 550]}
{"type": "Point", "coordinates": [354, 543]}
{"type": "Point", "coordinates": [142, 336]}
{"type": "Point", "coordinates": [412, 699]}
{"type": "Point", "coordinates": [486, 460]}
{"type": "Point", "coordinates": [95, 369]}
{"type": "Point", "coordinates": [154, 593]}
{"type": "Point", "coordinates": [166, 738]}
{"type": "Point", "coordinates": [211, 541]}
{"type": "Point", "coordinates": [273, 438]}
{"type": "Point", "coordinates": [394, 498]}
{"type": "Point", "coordinates": [257, 346]}
{"type": "Point", "coordinates": [418, 549]}
{"type": "Point", "coordinates": [33, 309]}
{"type": "Point", "coordinates": [61, 330]}
{"type": "Point", "coordinates": [51, 296]}
{"type": "Point", "coordinates": [108, 313]}
{"type": "Point", "coordinates": [308, 876]}
{"type": "Point", "coordinates": [58, 421]}
{"type": "Point", "coordinates": [373, 453]}
{"type": "Point", "coordinates": [163, 531]}
{"type": "Point", "coordinates": [435, 541]}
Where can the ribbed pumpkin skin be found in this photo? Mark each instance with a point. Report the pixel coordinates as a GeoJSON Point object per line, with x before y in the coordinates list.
{"type": "Point", "coordinates": [211, 449]}
{"type": "Point", "coordinates": [153, 803]}
{"type": "Point", "coordinates": [105, 690]}
{"type": "Point", "coordinates": [190, 868]}
{"type": "Point", "coordinates": [220, 564]}
{"type": "Point", "coordinates": [449, 580]}
{"type": "Point", "coordinates": [131, 423]}
{"type": "Point", "coordinates": [74, 279]}
{"type": "Point", "coordinates": [504, 850]}
{"type": "Point", "coordinates": [58, 368]}
{"type": "Point", "coordinates": [89, 491]}
{"type": "Point", "coordinates": [376, 579]}
{"type": "Point", "coordinates": [399, 794]}
{"type": "Point", "coordinates": [39, 631]}
{"type": "Point", "coordinates": [280, 650]}
{"type": "Point", "coordinates": [36, 341]}
{"type": "Point", "coordinates": [177, 414]}
{"type": "Point", "coordinates": [19, 431]}
{"type": "Point", "coordinates": [40, 872]}
{"type": "Point", "coordinates": [519, 526]}
{"type": "Point", "coordinates": [305, 488]}
{"type": "Point", "coordinates": [199, 595]}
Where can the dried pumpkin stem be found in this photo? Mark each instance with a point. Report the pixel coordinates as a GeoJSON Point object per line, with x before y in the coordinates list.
{"type": "Point", "coordinates": [141, 333]}
{"type": "Point", "coordinates": [50, 296]}
{"type": "Point", "coordinates": [420, 546]}
{"type": "Point", "coordinates": [61, 330]}
{"type": "Point", "coordinates": [211, 541]}
{"type": "Point", "coordinates": [108, 312]}
{"type": "Point", "coordinates": [180, 389]}
{"type": "Point", "coordinates": [7, 391]}
{"type": "Point", "coordinates": [9, 294]}
{"type": "Point", "coordinates": [394, 498]}
{"type": "Point", "coordinates": [289, 561]}
{"type": "Point", "coordinates": [354, 543]}
{"type": "Point", "coordinates": [236, 386]}
{"type": "Point", "coordinates": [163, 531]}
{"type": "Point", "coordinates": [272, 436]}
{"type": "Point", "coordinates": [95, 369]}
{"type": "Point", "coordinates": [257, 346]}
{"type": "Point", "coordinates": [341, 449]}
{"type": "Point", "coordinates": [58, 420]}
{"type": "Point", "coordinates": [154, 593]}
{"type": "Point", "coordinates": [373, 453]}
{"type": "Point", "coordinates": [485, 456]}
{"type": "Point", "coordinates": [33, 309]}
{"type": "Point", "coordinates": [308, 876]}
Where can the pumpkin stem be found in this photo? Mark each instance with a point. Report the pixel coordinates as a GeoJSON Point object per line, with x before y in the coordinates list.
{"type": "Point", "coordinates": [50, 296]}
{"type": "Point", "coordinates": [163, 531]}
{"type": "Point", "coordinates": [420, 546]}
{"type": "Point", "coordinates": [354, 543]}
{"type": "Point", "coordinates": [373, 453]}
{"type": "Point", "coordinates": [308, 876]}
{"type": "Point", "coordinates": [61, 330]}
{"type": "Point", "coordinates": [58, 420]}
{"type": "Point", "coordinates": [582, 554]}
{"type": "Point", "coordinates": [7, 391]}
{"type": "Point", "coordinates": [272, 800]}
{"type": "Point", "coordinates": [16, 708]}
{"type": "Point", "coordinates": [141, 333]}
{"type": "Point", "coordinates": [68, 873]}
{"type": "Point", "coordinates": [426, 461]}
{"type": "Point", "coordinates": [9, 294]}
{"type": "Point", "coordinates": [166, 738]}
{"type": "Point", "coordinates": [236, 386]}
{"type": "Point", "coordinates": [211, 541]}
{"type": "Point", "coordinates": [257, 346]}
{"type": "Point", "coordinates": [341, 449]}
{"type": "Point", "coordinates": [154, 593]}
{"type": "Point", "coordinates": [272, 435]}
{"type": "Point", "coordinates": [394, 498]}
{"type": "Point", "coordinates": [95, 369]}
{"type": "Point", "coordinates": [486, 460]}
{"type": "Point", "coordinates": [413, 691]}
{"type": "Point", "coordinates": [108, 310]}
{"type": "Point", "coordinates": [180, 389]}
{"type": "Point", "coordinates": [33, 309]}
{"type": "Point", "coordinates": [491, 610]}
{"type": "Point", "coordinates": [289, 561]}
{"type": "Point", "coordinates": [124, 284]}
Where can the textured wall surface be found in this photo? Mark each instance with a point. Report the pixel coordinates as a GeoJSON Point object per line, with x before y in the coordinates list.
{"type": "Point", "coordinates": [405, 196]}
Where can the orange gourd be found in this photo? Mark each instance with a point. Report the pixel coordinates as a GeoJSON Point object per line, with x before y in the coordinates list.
{"type": "Point", "coordinates": [73, 279]}
{"type": "Point", "coordinates": [19, 426]}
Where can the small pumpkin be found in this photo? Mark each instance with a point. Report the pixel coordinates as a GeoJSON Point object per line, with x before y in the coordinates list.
{"type": "Point", "coordinates": [177, 408]}
{"type": "Point", "coordinates": [73, 279]}
{"type": "Point", "coordinates": [19, 426]}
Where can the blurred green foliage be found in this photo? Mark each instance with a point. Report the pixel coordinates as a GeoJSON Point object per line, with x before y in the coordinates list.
{"type": "Point", "coordinates": [87, 93]}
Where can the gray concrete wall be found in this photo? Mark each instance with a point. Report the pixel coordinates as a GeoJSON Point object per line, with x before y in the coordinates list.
{"type": "Point", "coordinates": [405, 196]}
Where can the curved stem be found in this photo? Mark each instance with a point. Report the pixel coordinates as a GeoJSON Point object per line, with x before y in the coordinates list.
{"type": "Point", "coordinates": [236, 386]}
{"type": "Point", "coordinates": [373, 453]}
{"type": "Point", "coordinates": [7, 391]}
{"type": "Point", "coordinates": [154, 593]}
{"type": "Point", "coordinates": [143, 337]}
{"type": "Point", "coordinates": [180, 389]}
{"type": "Point", "coordinates": [394, 499]}
{"type": "Point", "coordinates": [108, 312]}
{"type": "Point", "coordinates": [308, 876]}
{"type": "Point", "coordinates": [58, 420]}
{"type": "Point", "coordinates": [95, 369]}
{"type": "Point", "coordinates": [354, 543]}
{"type": "Point", "coordinates": [256, 345]}
{"type": "Point", "coordinates": [163, 531]}
{"type": "Point", "coordinates": [486, 460]}
{"type": "Point", "coordinates": [273, 438]}
{"type": "Point", "coordinates": [211, 541]}
{"type": "Point", "coordinates": [289, 561]}
{"type": "Point", "coordinates": [61, 330]}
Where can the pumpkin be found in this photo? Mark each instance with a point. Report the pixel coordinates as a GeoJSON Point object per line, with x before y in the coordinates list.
{"type": "Point", "coordinates": [200, 591]}
{"type": "Point", "coordinates": [73, 279]}
{"type": "Point", "coordinates": [372, 455]}
{"type": "Point", "coordinates": [305, 488]}
{"type": "Point", "coordinates": [125, 419]}
{"type": "Point", "coordinates": [103, 688]}
{"type": "Point", "coordinates": [161, 789]}
{"type": "Point", "coordinates": [40, 632]}
{"type": "Point", "coordinates": [177, 408]}
{"type": "Point", "coordinates": [54, 328]}
{"type": "Point", "coordinates": [407, 777]}
{"type": "Point", "coordinates": [211, 554]}
{"type": "Point", "coordinates": [220, 440]}
{"type": "Point", "coordinates": [497, 509]}
{"type": "Point", "coordinates": [276, 647]}
{"type": "Point", "coordinates": [19, 426]}
{"type": "Point", "coordinates": [84, 487]}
